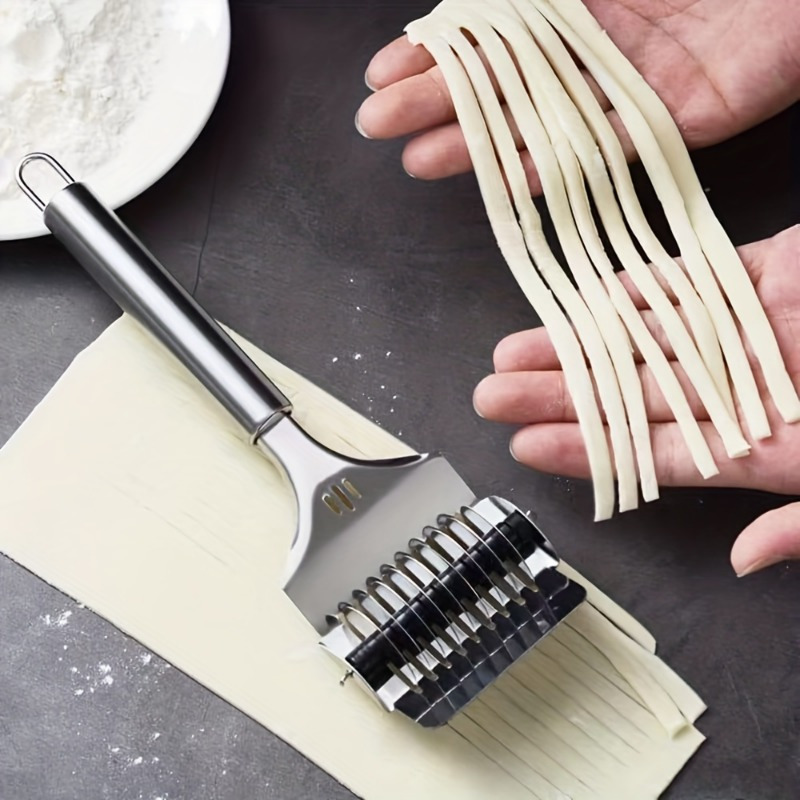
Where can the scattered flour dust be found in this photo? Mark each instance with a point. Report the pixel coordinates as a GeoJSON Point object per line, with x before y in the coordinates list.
{"type": "Point", "coordinates": [72, 75]}
{"type": "Point", "coordinates": [99, 677]}
{"type": "Point", "coordinates": [105, 671]}
{"type": "Point", "coordinates": [58, 621]}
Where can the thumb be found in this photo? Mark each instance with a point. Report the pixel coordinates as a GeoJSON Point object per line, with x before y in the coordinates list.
{"type": "Point", "coordinates": [773, 537]}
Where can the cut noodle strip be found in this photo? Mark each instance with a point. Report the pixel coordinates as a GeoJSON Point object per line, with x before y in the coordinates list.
{"type": "Point", "coordinates": [512, 245]}
{"type": "Point", "coordinates": [574, 83]}
{"type": "Point", "coordinates": [576, 151]}
{"type": "Point", "coordinates": [722, 255]}
{"type": "Point", "coordinates": [599, 328]}
{"type": "Point", "coordinates": [565, 125]}
{"type": "Point", "coordinates": [658, 168]}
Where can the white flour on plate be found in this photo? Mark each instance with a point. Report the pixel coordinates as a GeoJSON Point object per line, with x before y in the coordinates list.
{"type": "Point", "coordinates": [72, 75]}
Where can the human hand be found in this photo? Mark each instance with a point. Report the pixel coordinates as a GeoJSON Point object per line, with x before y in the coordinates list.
{"type": "Point", "coordinates": [720, 66]}
{"type": "Point", "coordinates": [528, 389]}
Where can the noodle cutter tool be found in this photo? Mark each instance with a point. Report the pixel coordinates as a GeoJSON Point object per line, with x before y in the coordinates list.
{"type": "Point", "coordinates": [425, 593]}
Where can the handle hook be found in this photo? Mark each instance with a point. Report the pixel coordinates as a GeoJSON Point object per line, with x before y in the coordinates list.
{"type": "Point", "coordinates": [52, 163]}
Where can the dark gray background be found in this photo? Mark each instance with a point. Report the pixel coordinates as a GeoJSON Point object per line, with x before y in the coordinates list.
{"type": "Point", "coordinates": [314, 243]}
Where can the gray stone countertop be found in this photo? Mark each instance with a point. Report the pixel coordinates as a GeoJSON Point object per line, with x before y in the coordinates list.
{"type": "Point", "coordinates": [314, 244]}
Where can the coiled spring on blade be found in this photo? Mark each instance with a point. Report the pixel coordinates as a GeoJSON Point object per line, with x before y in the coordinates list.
{"type": "Point", "coordinates": [453, 612]}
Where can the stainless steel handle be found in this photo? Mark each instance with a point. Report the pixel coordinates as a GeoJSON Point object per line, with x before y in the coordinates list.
{"type": "Point", "coordinates": [135, 280]}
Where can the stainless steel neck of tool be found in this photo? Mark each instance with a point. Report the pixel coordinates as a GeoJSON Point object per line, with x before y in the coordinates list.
{"type": "Point", "coordinates": [352, 515]}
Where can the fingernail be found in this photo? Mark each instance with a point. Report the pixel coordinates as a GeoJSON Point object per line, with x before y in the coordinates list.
{"type": "Point", "coordinates": [511, 450]}
{"type": "Point", "coordinates": [410, 174]}
{"type": "Point", "coordinates": [475, 398]}
{"type": "Point", "coordinates": [359, 128]}
{"type": "Point", "coordinates": [367, 83]}
{"type": "Point", "coordinates": [759, 564]}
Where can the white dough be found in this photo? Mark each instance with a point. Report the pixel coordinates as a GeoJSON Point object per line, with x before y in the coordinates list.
{"type": "Point", "coordinates": [573, 82]}
{"type": "Point", "coordinates": [657, 166]}
{"type": "Point", "coordinates": [514, 249]}
{"type": "Point", "coordinates": [567, 135]}
{"type": "Point", "coordinates": [176, 531]}
{"type": "Point", "coordinates": [600, 331]}
{"type": "Point", "coordinates": [722, 255]}
{"type": "Point", "coordinates": [565, 122]}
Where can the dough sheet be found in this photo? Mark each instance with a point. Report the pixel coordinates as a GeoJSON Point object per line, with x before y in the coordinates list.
{"type": "Point", "coordinates": [129, 489]}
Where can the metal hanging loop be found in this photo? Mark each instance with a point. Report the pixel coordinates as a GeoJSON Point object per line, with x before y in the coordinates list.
{"type": "Point", "coordinates": [52, 163]}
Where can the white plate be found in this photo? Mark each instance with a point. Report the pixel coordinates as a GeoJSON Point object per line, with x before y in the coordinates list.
{"type": "Point", "coordinates": [196, 44]}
